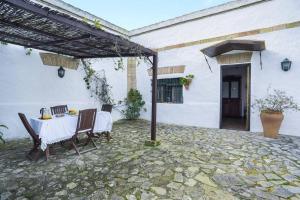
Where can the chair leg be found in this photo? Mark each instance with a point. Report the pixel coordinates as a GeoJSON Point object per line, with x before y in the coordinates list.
{"type": "Point", "coordinates": [47, 152]}
{"type": "Point", "coordinates": [75, 147]}
{"type": "Point", "coordinates": [33, 154]}
{"type": "Point", "coordinates": [90, 139]}
{"type": "Point", "coordinates": [99, 135]}
{"type": "Point", "coordinates": [32, 150]}
{"type": "Point", "coordinates": [62, 143]}
{"type": "Point", "coordinates": [95, 135]}
{"type": "Point", "coordinates": [108, 137]}
{"type": "Point", "coordinates": [94, 144]}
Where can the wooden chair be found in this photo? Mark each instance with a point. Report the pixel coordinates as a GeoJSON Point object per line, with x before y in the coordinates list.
{"type": "Point", "coordinates": [34, 153]}
{"type": "Point", "coordinates": [59, 109]}
{"type": "Point", "coordinates": [106, 108]}
{"type": "Point", "coordinates": [85, 124]}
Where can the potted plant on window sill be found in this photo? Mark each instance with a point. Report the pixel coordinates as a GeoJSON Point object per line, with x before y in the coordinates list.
{"type": "Point", "coordinates": [271, 110]}
{"type": "Point", "coordinates": [186, 81]}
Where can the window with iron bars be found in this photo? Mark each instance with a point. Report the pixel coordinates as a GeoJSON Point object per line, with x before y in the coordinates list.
{"type": "Point", "coordinates": [169, 91]}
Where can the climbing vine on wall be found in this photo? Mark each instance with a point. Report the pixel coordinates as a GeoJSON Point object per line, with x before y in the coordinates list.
{"type": "Point", "coordinates": [97, 83]}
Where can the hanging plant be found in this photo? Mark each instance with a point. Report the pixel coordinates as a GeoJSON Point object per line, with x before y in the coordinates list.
{"type": "Point", "coordinates": [28, 51]}
{"type": "Point", "coordinates": [186, 81]}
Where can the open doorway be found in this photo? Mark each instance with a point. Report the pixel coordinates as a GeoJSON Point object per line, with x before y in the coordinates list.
{"type": "Point", "coordinates": [235, 97]}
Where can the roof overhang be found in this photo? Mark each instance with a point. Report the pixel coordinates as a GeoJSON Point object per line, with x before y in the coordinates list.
{"type": "Point", "coordinates": [32, 25]}
{"type": "Point", "coordinates": [231, 45]}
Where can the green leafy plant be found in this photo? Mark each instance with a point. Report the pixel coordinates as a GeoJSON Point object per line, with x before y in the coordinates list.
{"type": "Point", "coordinates": [1, 133]}
{"type": "Point", "coordinates": [277, 101]}
{"type": "Point", "coordinates": [28, 51]}
{"type": "Point", "coordinates": [97, 24]}
{"type": "Point", "coordinates": [134, 104]}
{"type": "Point", "coordinates": [119, 64]}
{"type": "Point", "coordinates": [97, 83]}
{"type": "Point", "coordinates": [85, 20]}
{"type": "Point", "coordinates": [187, 80]}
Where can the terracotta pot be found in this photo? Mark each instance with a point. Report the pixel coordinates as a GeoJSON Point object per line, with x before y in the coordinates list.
{"type": "Point", "coordinates": [187, 85]}
{"type": "Point", "coordinates": [271, 122]}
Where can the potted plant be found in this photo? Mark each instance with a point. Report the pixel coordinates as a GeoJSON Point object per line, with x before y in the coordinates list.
{"type": "Point", "coordinates": [186, 81]}
{"type": "Point", "coordinates": [271, 110]}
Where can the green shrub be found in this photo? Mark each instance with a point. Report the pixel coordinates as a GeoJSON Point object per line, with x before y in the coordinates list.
{"type": "Point", "coordinates": [1, 133]}
{"type": "Point", "coordinates": [134, 104]}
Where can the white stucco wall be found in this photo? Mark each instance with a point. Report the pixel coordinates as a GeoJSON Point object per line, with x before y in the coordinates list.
{"type": "Point", "coordinates": [201, 105]}
{"type": "Point", "coordinates": [27, 85]}
{"type": "Point", "coordinates": [266, 14]}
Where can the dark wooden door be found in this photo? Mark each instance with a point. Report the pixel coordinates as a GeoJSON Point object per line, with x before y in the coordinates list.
{"type": "Point", "coordinates": [231, 96]}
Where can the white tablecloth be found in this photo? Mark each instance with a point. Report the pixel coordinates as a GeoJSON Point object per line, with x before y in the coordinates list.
{"type": "Point", "coordinates": [62, 128]}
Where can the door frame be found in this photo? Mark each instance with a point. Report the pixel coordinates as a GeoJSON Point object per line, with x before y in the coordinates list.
{"type": "Point", "coordinates": [248, 94]}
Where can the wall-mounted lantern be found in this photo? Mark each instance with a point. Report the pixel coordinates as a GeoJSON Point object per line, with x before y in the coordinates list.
{"type": "Point", "coordinates": [61, 72]}
{"type": "Point", "coordinates": [286, 65]}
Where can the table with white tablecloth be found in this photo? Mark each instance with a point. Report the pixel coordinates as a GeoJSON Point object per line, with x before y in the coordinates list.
{"type": "Point", "coordinates": [62, 128]}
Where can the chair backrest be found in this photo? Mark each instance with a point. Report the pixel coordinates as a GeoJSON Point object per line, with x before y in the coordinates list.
{"type": "Point", "coordinates": [59, 109]}
{"type": "Point", "coordinates": [107, 108]}
{"type": "Point", "coordinates": [29, 129]}
{"type": "Point", "coordinates": [86, 121]}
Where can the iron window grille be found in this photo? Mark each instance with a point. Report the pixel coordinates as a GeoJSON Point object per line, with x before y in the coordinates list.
{"type": "Point", "coordinates": [169, 91]}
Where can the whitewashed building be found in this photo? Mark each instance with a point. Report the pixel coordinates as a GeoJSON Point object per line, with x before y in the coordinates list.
{"type": "Point", "coordinates": [219, 97]}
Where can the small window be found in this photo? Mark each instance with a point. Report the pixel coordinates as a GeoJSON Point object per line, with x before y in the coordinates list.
{"type": "Point", "coordinates": [169, 91]}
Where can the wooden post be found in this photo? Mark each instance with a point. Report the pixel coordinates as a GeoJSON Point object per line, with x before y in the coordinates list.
{"type": "Point", "coordinates": [154, 99]}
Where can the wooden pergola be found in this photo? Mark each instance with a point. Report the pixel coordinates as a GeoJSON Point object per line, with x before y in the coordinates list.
{"type": "Point", "coordinates": [32, 25]}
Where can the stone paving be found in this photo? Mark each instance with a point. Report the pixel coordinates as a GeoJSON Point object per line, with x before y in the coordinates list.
{"type": "Point", "coordinates": [191, 163]}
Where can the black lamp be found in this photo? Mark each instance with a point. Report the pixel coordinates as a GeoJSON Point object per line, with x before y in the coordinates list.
{"type": "Point", "coordinates": [286, 65]}
{"type": "Point", "coordinates": [61, 72]}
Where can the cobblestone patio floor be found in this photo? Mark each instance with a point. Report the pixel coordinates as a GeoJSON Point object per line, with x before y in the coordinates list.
{"type": "Point", "coordinates": [191, 163]}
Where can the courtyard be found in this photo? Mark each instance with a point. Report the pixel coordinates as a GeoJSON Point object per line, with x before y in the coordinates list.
{"type": "Point", "coordinates": [190, 163]}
